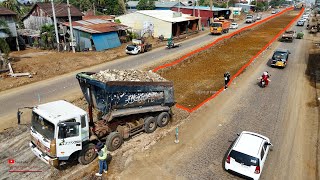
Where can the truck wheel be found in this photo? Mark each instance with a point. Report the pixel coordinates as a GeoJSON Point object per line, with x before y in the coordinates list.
{"type": "Point", "coordinates": [87, 155]}
{"type": "Point", "coordinates": [150, 124]}
{"type": "Point", "coordinates": [114, 141]}
{"type": "Point", "coordinates": [163, 119]}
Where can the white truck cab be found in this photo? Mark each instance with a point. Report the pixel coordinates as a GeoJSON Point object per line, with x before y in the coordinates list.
{"type": "Point", "coordinates": [58, 131]}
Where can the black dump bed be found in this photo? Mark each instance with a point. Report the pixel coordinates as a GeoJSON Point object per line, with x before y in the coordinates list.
{"type": "Point", "coordinates": [112, 95]}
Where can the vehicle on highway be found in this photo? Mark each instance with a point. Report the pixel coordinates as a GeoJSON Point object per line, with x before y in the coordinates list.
{"type": "Point", "coordinates": [288, 36]}
{"type": "Point", "coordinates": [300, 22]}
{"type": "Point", "coordinates": [303, 20]}
{"type": "Point", "coordinates": [259, 16]}
{"type": "Point", "coordinates": [248, 155]}
{"type": "Point", "coordinates": [251, 18]}
{"type": "Point", "coordinates": [138, 46]}
{"type": "Point", "coordinates": [219, 26]}
{"type": "Point", "coordinates": [234, 26]}
{"type": "Point", "coordinates": [62, 132]}
{"type": "Point", "coordinates": [280, 58]}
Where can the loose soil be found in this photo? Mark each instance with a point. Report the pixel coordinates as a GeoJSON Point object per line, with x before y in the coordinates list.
{"type": "Point", "coordinates": [198, 77]}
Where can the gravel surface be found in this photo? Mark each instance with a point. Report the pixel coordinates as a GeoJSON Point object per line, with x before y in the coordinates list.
{"type": "Point", "coordinates": [127, 75]}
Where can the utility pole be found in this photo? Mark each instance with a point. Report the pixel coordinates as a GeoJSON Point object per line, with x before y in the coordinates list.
{"type": "Point", "coordinates": [193, 12]}
{"type": "Point", "coordinates": [71, 29]}
{"type": "Point", "coordinates": [179, 6]}
{"type": "Point", "coordinates": [211, 3]}
{"type": "Point", "coordinates": [55, 24]}
{"type": "Point", "coordinates": [199, 15]}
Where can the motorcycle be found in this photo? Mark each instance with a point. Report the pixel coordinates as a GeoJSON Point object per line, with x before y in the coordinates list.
{"type": "Point", "coordinates": [262, 81]}
{"type": "Point", "coordinates": [171, 44]}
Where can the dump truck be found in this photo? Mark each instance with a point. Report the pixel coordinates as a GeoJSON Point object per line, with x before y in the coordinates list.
{"type": "Point", "coordinates": [288, 36]}
{"type": "Point", "coordinates": [219, 26]}
{"type": "Point", "coordinates": [62, 132]}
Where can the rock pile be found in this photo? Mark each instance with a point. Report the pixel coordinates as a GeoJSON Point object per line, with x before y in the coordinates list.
{"type": "Point", "coordinates": [127, 75]}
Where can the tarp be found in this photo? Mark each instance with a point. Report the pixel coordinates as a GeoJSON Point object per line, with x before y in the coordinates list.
{"type": "Point", "coordinates": [105, 41]}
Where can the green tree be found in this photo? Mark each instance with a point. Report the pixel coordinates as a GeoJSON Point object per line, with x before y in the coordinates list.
{"type": "Point", "coordinates": [146, 5]}
{"type": "Point", "coordinates": [47, 35]}
{"type": "Point", "coordinates": [4, 46]}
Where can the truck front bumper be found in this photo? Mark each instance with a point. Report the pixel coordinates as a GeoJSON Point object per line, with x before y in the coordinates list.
{"type": "Point", "coordinates": [45, 158]}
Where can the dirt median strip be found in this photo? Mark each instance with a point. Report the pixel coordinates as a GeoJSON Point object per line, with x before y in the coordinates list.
{"type": "Point", "coordinates": [202, 70]}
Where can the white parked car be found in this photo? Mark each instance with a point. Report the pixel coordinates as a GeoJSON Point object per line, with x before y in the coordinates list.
{"type": "Point", "coordinates": [248, 155]}
{"type": "Point", "coordinates": [234, 26]}
{"type": "Point", "coordinates": [303, 20]}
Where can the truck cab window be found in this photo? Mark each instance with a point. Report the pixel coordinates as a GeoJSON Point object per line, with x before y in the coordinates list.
{"type": "Point", "coordinates": [68, 131]}
{"type": "Point", "coordinates": [83, 121]}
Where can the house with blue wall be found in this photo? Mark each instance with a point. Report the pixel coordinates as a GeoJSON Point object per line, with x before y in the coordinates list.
{"type": "Point", "coordinates": [97, 34]}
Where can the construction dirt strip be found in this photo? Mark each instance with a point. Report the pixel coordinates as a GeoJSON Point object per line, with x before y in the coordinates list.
{"type": "Point", "coordinates": [198, 76]}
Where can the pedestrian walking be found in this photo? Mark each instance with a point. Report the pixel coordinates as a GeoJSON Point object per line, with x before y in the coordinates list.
{"type": "Point", "coordinates": [226, 79]}
{"type": "Point", "coordinates": [102, 151]}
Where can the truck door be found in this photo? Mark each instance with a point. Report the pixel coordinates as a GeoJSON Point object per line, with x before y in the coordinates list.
{"type": "Point", "coordinates": [69, 139]}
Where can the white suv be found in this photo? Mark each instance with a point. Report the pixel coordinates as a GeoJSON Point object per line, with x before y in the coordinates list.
{"type": "Point", "coordinates": [248, 155]}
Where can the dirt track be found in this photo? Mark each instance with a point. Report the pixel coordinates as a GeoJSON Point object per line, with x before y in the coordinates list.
{"type": "Point", "coordinates": [199, 76]}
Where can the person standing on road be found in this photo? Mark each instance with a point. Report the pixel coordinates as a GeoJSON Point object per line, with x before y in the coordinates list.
{"type": "Point", "coordinates": [102, 151]}
{"type": "Point", "coordinates": [226, 79]}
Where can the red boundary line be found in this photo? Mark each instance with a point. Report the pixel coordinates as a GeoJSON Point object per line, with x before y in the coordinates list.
{"type": "Point", "coordinates": [226, 37]}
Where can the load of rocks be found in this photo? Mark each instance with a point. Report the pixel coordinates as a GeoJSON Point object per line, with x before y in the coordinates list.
{"type": "Point", "coordinates": [127, 75]}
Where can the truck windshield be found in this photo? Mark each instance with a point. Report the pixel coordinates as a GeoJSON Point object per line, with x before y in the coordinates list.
{"type": "Point", "coordinates": [42, 126]}
{"type": "Point", "coordinates": [216, 25]}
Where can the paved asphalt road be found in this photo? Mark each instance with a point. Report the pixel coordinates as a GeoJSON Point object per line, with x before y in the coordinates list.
{"type": "Point", "coordinates": [281, 111]}
{"type": "Point", "coordinates": [66, 85]}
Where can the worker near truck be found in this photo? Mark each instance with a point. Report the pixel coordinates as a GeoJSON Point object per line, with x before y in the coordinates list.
{"type": "Point", "coordinates": [102, 151]}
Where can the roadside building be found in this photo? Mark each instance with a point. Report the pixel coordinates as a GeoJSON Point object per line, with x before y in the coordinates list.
{"type": "Point", "coordinates": [206, 14]}
{"type": "Point", "coordinates": [160, 22]}
{"type": "Point", "coordinates": [41, 13]}
{"type": "Point", "coordinates": [159, 5]}
{"type": "Point", "coordinates": [245, 7]}
{"type": "Point", "coordinates": [9, 16]}
{"type": "Point", "coordinates": [96, 34]}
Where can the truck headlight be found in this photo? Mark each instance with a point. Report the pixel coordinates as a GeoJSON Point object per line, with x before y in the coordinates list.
{"type": "Point", "coordinates": [52, 150]}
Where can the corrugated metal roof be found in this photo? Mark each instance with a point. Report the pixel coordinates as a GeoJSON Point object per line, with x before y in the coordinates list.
{"type": "Point", "coordinates": [5, 11]}
{"type": "Point", "coordinates": [94, 26]}
{"type": "Point", "coordinates": [167, 15]}
{"type": "Point", "coordinates": [157, 4]}
{"type": "Point", "coordinates": [206, 8]}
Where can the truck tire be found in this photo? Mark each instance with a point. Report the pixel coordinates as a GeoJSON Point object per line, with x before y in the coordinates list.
{"type": "Point", "coordinates": [87, 155]}
{"type": "Point", "coordinates": [163, 119]}
{"type": "Point", "coordinates": [150, 124]}
{"type": "Point", "coordinates": [114, 141]}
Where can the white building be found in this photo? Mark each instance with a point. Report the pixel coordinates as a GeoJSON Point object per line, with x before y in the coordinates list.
{"type": "Point", "coordinates": [160, 22]}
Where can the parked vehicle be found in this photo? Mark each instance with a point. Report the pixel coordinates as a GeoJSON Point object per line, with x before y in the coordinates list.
{"type": "Point", "coordinates": [234, 26]}
{"type": "Point", "coordinates": [273, 12]}
{"type": "Point", "coordinates": [288, 36]}
{"type": "Point", "coordinates": [300, 22]}
{"type": "Point", "coordinates": [248, 155]}
{"type": "Point", "coordinates": [61, 131]}
{"type": "Point", "coordinates": [280, 58]}
{"type": "Point", "coordinates": [138, 46]}
{"type": "Point", "coordinates": [219, 26]}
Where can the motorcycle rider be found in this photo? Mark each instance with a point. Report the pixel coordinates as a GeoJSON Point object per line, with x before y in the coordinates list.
{"type": "Point", "coordinates": [265, 77]}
